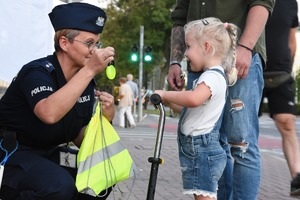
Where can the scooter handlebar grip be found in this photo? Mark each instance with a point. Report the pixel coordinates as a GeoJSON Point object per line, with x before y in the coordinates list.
{"type": "Point", "coordinates": [155, 99]}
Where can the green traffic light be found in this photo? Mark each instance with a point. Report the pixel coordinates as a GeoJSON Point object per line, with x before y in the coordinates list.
{"type": "Point", "coordinates": [148, 54]}
{"type": "Point", "coordinates": [148, 58]}
{"type": "Point", "coordinates": [134, 57]}
{"type": "Point", "coordinates": [134, 53]}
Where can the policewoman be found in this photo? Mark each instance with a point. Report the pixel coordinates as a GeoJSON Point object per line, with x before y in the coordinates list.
{"type": "Point", "coordinates": [49, 103]}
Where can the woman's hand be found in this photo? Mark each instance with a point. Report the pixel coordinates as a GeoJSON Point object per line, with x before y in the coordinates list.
{"type": "Point", "coordinates": [108, 104]}
{"type": "Point", "coordinates": [108, 108]}
{"type": "Point", "coordinates": [100, 59]}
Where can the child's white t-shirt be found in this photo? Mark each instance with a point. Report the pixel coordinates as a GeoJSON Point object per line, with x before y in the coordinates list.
{"type": "Point", "coordinates": [201, 120]}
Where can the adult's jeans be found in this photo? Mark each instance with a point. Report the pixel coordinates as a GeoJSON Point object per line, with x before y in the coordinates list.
{"type": "Point", "coordinates": [240, 131]}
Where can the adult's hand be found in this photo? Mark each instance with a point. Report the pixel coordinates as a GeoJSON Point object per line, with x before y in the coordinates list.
{"type": "Point", "coordinates": [100, 59]}
{"type": "Point", "coordinates": [174, 79]}
{"type": "Point", "coordinates": [243, 61]}
{"type": "Point", "coordinates": [108, 104]}
{"type": "Point", "coordinates": [108, 109]}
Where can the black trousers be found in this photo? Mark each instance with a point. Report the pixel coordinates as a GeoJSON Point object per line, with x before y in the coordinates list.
{"type": "Point", "coordinates": [32, 174]}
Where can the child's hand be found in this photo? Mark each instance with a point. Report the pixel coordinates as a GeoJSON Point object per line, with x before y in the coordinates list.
{"type": "Point", "coordinates": [160, 93]}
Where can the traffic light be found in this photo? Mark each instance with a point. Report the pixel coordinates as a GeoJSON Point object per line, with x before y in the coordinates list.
{"type": "Point", "coordinates": [134, 53]}
{"type": "Point", "coordinates": [148, 54]}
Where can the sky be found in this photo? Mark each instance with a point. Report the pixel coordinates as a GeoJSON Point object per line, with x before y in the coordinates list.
{"type": "Point", "coordinates": [99, 3]}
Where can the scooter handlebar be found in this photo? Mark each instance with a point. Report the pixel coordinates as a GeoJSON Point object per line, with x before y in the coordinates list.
{"type": "Point", "coordinates": [155, 99]}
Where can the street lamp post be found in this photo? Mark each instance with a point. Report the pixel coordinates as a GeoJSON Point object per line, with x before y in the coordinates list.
{"type": "Point", "coordinates": [140, 107]}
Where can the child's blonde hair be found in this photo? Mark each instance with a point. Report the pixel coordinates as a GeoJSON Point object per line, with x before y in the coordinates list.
{"type": "Point", "coordinates": [223, 39]}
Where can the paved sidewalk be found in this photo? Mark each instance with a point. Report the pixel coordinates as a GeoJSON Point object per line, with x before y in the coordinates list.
{"type": "Point", "coordinates": [140, 141]}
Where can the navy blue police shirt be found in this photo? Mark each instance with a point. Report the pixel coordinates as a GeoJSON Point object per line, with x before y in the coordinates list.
{"type": "Point", "coordinates": [35, 81]}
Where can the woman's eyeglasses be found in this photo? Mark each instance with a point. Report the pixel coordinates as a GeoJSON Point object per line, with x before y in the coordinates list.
{"type": "Point", "coordinates": [90, 45]}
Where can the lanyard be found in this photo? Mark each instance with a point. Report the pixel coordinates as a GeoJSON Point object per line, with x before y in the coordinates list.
{"type": "Point", "coordinates": [7, 155]}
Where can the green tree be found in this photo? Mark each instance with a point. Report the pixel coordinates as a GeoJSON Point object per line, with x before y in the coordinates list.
{"type": "Point", "coordinates": [122, 30]}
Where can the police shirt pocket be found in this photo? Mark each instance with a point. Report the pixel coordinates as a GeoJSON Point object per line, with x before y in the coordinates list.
{"type": "Point", "coordinates": [217, 165]}
{"type": "Point", "coordinates": [82, 112]}
{"type": "Point", "coordinates": [82, 117]}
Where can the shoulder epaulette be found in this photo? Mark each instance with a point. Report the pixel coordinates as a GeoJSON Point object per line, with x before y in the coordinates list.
{"type": "Point", "coordinates": [48, 65]}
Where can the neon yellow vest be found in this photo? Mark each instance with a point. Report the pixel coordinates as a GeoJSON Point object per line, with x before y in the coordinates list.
{"type": "Point", "coordinates": [102, 161]}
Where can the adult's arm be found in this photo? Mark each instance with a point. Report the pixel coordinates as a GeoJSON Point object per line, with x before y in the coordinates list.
{"type": "Point", "coordinates": [176, 56]}
{"type": "Point", "coordinates": [257, 17]}
{"type": "Point", "coordinates": [255, 24]}
{"type": "Point", "coordinates": [56, 106]}
{"type": "Point", "coordinates": [179, 19]}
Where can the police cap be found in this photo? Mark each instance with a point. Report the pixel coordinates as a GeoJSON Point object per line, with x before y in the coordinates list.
{"type": "Point", "coordinates": [79, 16]}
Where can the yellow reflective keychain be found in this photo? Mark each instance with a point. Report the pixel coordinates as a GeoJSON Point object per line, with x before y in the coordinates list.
{"type": "Point", "coordinates": [111, 70]}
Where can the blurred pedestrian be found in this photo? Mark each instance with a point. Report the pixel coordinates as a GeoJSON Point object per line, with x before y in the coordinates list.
{"type": "Point", "coordinates": [281, 48]}
{"type": "Point", "coordinates": [135, 91]}
{"type": "Point", "coordinates": [210, 47]}
{"type": "Point", "coordinates": [125, 103]}
{"type": "Point", "coordinates": [240, 126]}
{"type": "Point", "coordinates": [133, 86]}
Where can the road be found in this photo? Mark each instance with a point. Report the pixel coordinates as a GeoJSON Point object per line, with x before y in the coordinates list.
{"type": "Point", "coordinates": [140, 141]}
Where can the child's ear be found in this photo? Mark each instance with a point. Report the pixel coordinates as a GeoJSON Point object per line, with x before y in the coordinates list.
{"type": "Point", "coordinates": [207, 47]}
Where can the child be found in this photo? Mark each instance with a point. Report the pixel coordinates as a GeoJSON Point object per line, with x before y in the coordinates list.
{"type": "Point", "coordinates": [210, 47]}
